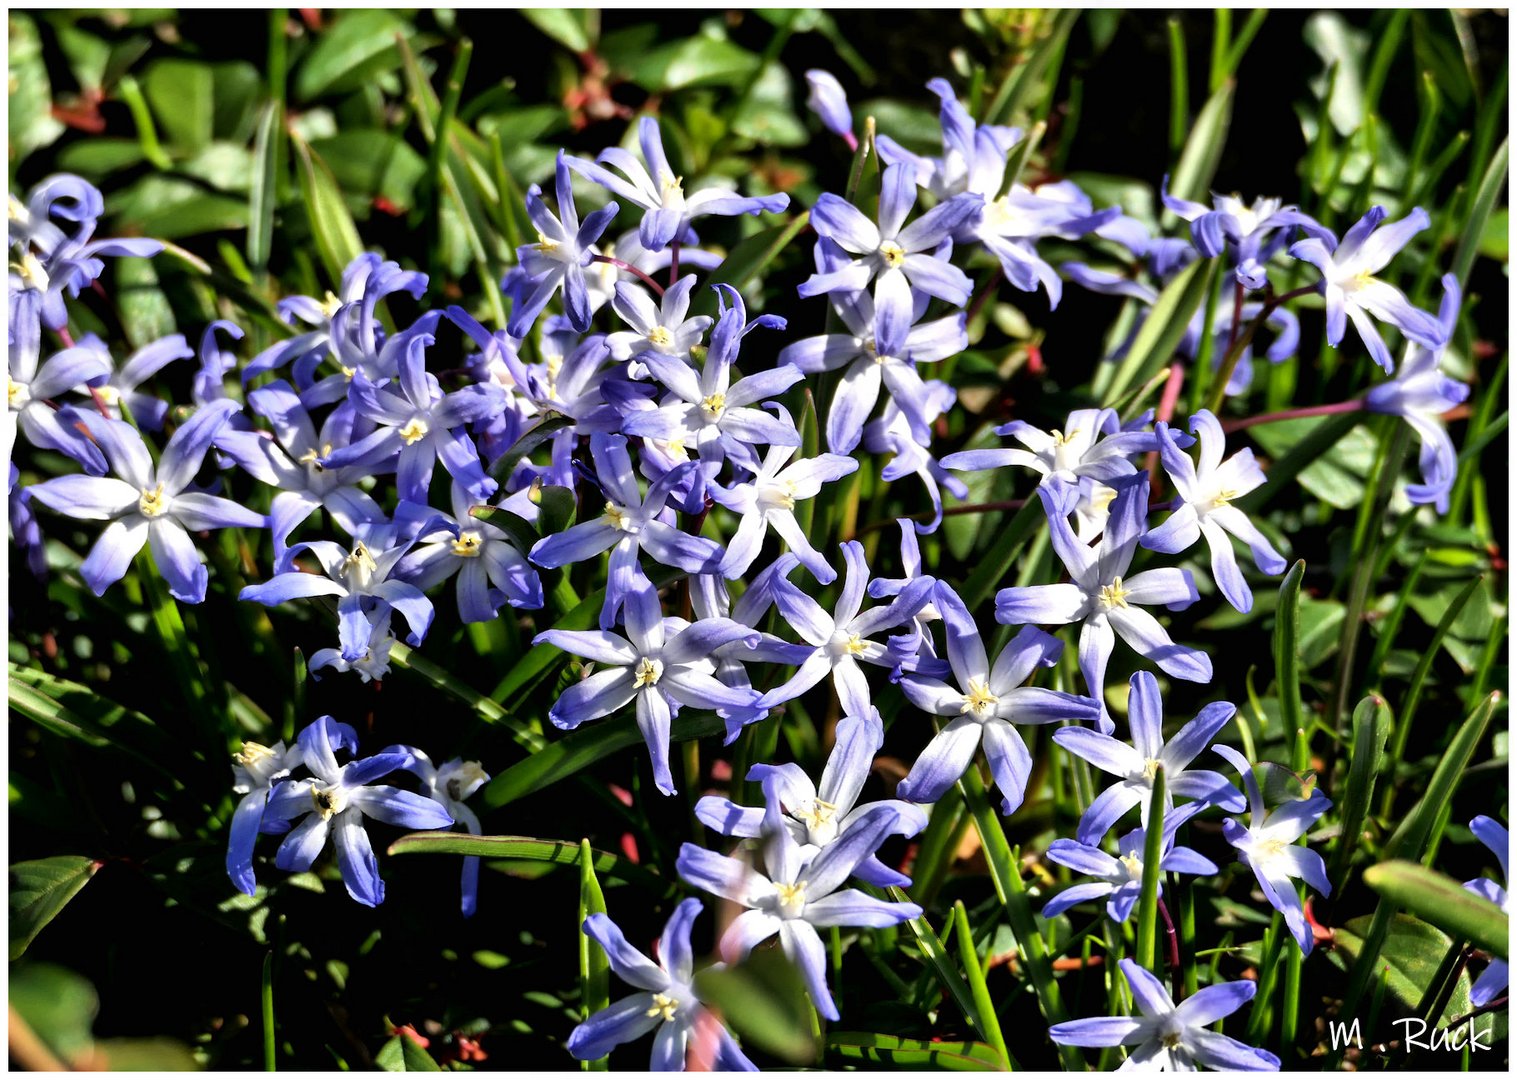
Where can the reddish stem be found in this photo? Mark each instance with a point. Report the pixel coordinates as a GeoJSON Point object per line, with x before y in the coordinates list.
{"type": "Point", "coordinates": [655, 286]}
{"type": "Point", "coordinates": [985, 294]}
{"type": "Point", "coordinates": [673, 263]}
{"type": "Point", "coordinates": [1239, 424]}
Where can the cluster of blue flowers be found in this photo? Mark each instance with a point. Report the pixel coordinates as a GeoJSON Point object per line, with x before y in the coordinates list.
{"type": "Point", "coordinates": [669, 425]}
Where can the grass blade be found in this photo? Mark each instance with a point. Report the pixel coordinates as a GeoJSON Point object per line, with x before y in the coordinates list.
{"type": "Point", "coordinates": [1442, 901]}
{"type": "Point", "coordinates": [1148, 897]}
{"type": "Point", "coordinates": [594, 969]}
{"type": "Point", "coordinates": [985, 1012]}
{"type": "Point", "coordinates": [1288, 654]}
{"type": "Point", "coordinates": [1371, 726]}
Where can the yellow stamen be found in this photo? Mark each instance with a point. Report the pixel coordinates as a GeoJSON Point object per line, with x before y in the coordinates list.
{"type": "Point", "coordinates": [1113, 595]}
{"type": "Point", "coordinates": [360, 563]}
{"type": "Point", "coordinates": [616, 515]}
{"type": "Point", "coordinates": [714, 404]}
{"type": "Point", "coordinates": [152, 503]}
{"type": "Point", "coordinates": [893, 254]}
{"type": "Point", "coordinates": [663, 1005]}
{"type": "Point", "coordinates": [469, 545]}
{"type": "Point", "coordinates": [1061, 439]}
{"type": "Point", "coordinates": [979, 702]}
{"type": "Point", "coordinates": [1150, 769]}
{"type": "Point", "coordinates": [414, 431]}
{"type": "Point", "coordinates": [331, 304]}
{"type": "Point", "coordinates": [15, 393]}
{"type": "Point", "coordinates": [252, 754]}
{"type": "Point", "coordinates": [545, 245]}
{"type": "Point", "coordinates": [647, 673]}
{"type": "Point", "coordinates": [660, 338]}
{"type": "Point", "coordinates": [328, 801]}
{"type": "Point", "coordinates": [1223, 497]}
{"type": "Point", "coordinates": [792, 898]}
{"type": "Point", "coordinates": [819, 814]}
{"type": "Point", "coordinates": [854, 646]}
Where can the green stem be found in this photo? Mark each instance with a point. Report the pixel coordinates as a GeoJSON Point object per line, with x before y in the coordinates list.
{"type": "Point", "coordinates": [1147, 947]}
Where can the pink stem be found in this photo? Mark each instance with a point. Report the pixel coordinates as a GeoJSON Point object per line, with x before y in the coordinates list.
{"type": "Point", "coordinates": [1230, 426]}
{"type": "Point", "coordinates": [673, 263]}
{"type": "Point", "coordinates": [655, 286]}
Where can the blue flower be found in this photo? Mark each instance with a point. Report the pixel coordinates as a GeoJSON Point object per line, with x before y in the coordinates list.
{"type": "Point", "coordinates": [1136, 765]}
{"type": "Point", "coordinates": [30, 388]}
{"type": "Point", "coordinates": [255, 770]}
{"type": "Point", "coordinates": [1352, 290]}
{"type": "Point", "coordinates": [894, 432]}
{"type": "Point", "coordinates": [334, 802]}
{"type": "Point", "coordinates": [767, 500]}
{"type": "Point", "coordinates": [1242, 229]}
{"type": "Point", "coordinates": [796, 895]}
{"type": "Point", "coordinates": [662, 664]}
{"type": "Point", "coordinates": [1420, 393]}
{"type": "Point", "coordinates": [1207, 490]}
{"type": "Point", "coordinates": [1170, 1037]}
{"type": "Point", "coordinates": [491, 572]}
{"type": "Point", "coordinates": [819, 815]}
{"type": "Point", "coordinates": [667, 1002]}
{"type": "Point", "coordinates": [1120, 877]}
{"type": "Point", "coordinates": [1493, 980]}
{"type": "Point", "coordinates": [969, 151]}
{"type": "Point", "coordinates": [557, 261]}
{"type": "Point", "coordinates": [663, 328]}
{"type": "Point", "coordinates": [52, 260]}
{"type": "Point", "coordinates": [148, 505]}
{"type": "Point", "coordinates": [1267, 845]}
{"type": "Point", "coordinates": [364, 583]}
{"type": "Point", "coordinates": [830, 103]}
{"type": "Point", "coordinates": [840, 641]}
{"type": "Point", "coordinates": [870, 358]}
{"type": "Point", "coordinates": [448, 785]}
{"type": "Point", "coordinates": [985, 702]}
{"type": "Point", "coordinates": [1013, 223]}
{"type": "Point", "coordinates": [1101, 598]}
{"type": "Point", "coordinates": [895, 256]}
{"type": "Point", "coordinates": [667, 211]}
{"type": "Point", "coordinates": [119, 387]}
{"type": "Point", "coordinates": [632, 523]}
{"type": "Point", "coordinates": [1091, 444]}
{"type": "Point", "coordinates": [418, 425]}
{"type": "Point", "coordinates": [708, 412]}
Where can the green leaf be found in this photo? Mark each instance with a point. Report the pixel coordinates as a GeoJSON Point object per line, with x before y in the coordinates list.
{"type": "Point", "coordinates": [1162, 330]}
{"type": "Point", "coordinates": [374, 164]}
{"type": "Point", "coordinates": [402, 1054]}
{"type": "Point", "coordinates": [39, 891]}
{"type": "Point", "coordinates": [985, 1019]}
{"type": "Point", "coordinates": [1343, 47]}
{"type": "Point", "coordinates": [169, 207]}
{"type": "Point", "coordinates": [58, 1005]}
{"type": "Point", "coordinates": [1411, 952]}
{"type": "Point", "coordinates": [1203, 149]}
{"type": "Point", "coordinates": [267, 147]}
{"type": "Point", "coordinates": [748, 259]}
{"type": "Point", "coordinates": [1442, 901]}
{"type": "Point", "coordinates": [1330, 457]}
{"type": "Point", "coordinates": [1371, 725]}
{"type": "Point", "coordinates": [29, 109]}
{"type": "Point", "coordinates": [1287, 640]}
{"type": "Point", "coordinates": [526, 848]}
{"type": "Point", "coordinates": [79, 712]}
{"type": "Point", "coordinates": [581, 749]}
{"type": "Point", "coordinates": [763, 999]}
{"type": "Point", "coordinates": [695, 61]}
{"type": "Point", "coordinates": [594, 968]}
{"type": "Point", "coordinates": [530, 441]}
{"type": "Point", "coordinates": [555, 509]}
{"type": "Point", "coordinates": [875, 1051]}
{"type": "Point", "coordinates": [574, 28]}
{"type": "Point", "coordinates": [182, 94]}
{"type": "Point", "coordinates": [359, 45]}
{"type": "Point", "coordinates": [939, 961]}
{"type": "Point", "coordinates": [336, 236]}
{"type": "Point", "coordinates": [1480, 212]}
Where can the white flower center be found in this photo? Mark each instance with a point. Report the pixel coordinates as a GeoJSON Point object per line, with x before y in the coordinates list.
{"type": "Point", "coordinates": [714, 405]}
{"type": "Point", "coordinates": [359, 568]}
{"type": "Point", "coordinates": [664, 1006]}
{"type": "Point", "coordinates": [660, 338]}
{"type": "Point", "coordinates": [892, 254]}
{"type": "Point", "coordinates": [846, 644]}
{"type": "Point", "coordinates": [153, 502]}
{"type": "Point", "coordinates": [329, 800]}
{"type": "Point", "coordinates": [779, 495]}
{"type": "Point", "coordinates": [17, 395]}
{"type": "Point", "coordinates": [979, 702]}
{"type": "Point", "coordinates": [647, 673]}
{"type": "Point", "coordinates": [791, 898]}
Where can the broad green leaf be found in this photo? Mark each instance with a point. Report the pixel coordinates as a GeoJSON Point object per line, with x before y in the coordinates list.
{"type": "Point", "coordinates": [1412, 951]}
{"type": "Point", "coordinates": [39, 891]}
{"type": "Point", "coordinates": [374, 164]}
{"type": "Point", "coordinates": [29, 109]}
{"type": "Point", "coordinates": [402, 1054]}
{"type": "Point", "coordinates": [169, 208]}
{"type": "Point", "coordinates": [97, 157]}
{"type": "Point", "coordinates": [263, 185]}
{"type": "Point", "coordinates": [359, 45]}
{"type": "Point", "coordinates": [694, 61]}
{"type": "Point", "coordinates": [81, 713]}
{"type": "Point", "coordinates": [182, 94]}
{"type": "Point", "coordinates": [574, 28]}
{"type": "Point", "coordinates": [1442, 901]}
{"type": "Point", "coordinates": [874, 1051]}
{"type": "Point", "coordinates": [1343, 47]}
{"type": "Point", "coordinates": [332, 225]}
{"type": "Point", "coordinates": [1337, 472]}
{"type": "Point", "coordinates": [238, 85]}
{"type": "Point", "coordinates": [748, 259]}
{"type": "Point", "coordinates": [764, 1000]}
